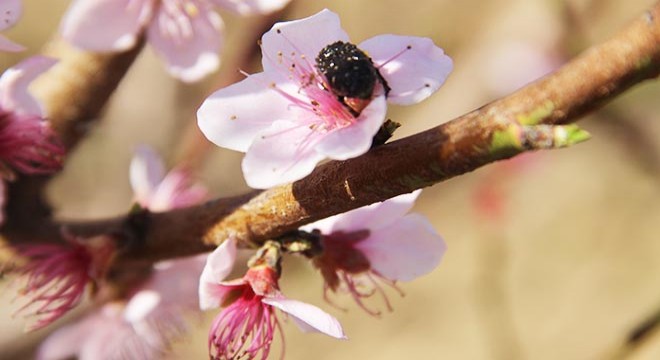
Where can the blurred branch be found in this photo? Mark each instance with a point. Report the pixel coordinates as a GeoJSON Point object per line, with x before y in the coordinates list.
{"type": "Point", "coordinates": [502, 129]}
{"type": "Point", "coordinates": [640, 334]}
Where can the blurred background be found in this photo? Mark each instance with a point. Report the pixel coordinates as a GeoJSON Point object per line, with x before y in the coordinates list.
{"type": "Point", "coordinates": [553, 255]}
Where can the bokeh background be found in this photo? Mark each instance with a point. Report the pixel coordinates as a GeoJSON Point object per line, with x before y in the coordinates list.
{"type": "Point", "coordinates": [554, 255]}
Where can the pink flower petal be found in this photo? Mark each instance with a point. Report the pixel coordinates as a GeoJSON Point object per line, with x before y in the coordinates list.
{"type": "Point", "coordinates": [218, 266]}
{"type": "Point", "coordinates": [230, 117]}
{"type": "Point", "coordinates": [105, 25]}
{"type": "Point", "coordinates": [188, 38]}
{"type": "Point", "coordinates": [303, 37]}
{"type": "Point", "coordinates": [370, 217]}
{"type": "Point", "coordinates": [141, 305]}
{"type": "Point", "coordinates": [145, 173]}
{"type": "Point", "coordinates": [9, 46]}
{"type": "Point", "coordinates": [176, 191]}
{"type": "Point", "coordinates": [14, 95]}
{"type": "Point", "coordinates": [412, 74]}
{"type": "Point", "coordinates": [283, 153]}
{"type": "Point", "coordinates": [10, 12]}
{"type": "Point", "coordinates": [308, 317]}
{"type": "Point", "coordinates": [356, 139]}
{"type": "Point", "coordinates": [250, 7]}
{"type": "Point", "coordinates": [67, 341]}
{"type": "Point", "coordinates": [404, 250]}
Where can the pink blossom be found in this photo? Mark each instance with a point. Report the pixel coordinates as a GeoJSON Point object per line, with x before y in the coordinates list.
{"type": "Point", "coordinates": [10, 11]}
{"type": "Point", "coordinates": [141, 327]}
{"type": "Point", "coordinates": [245, 328]}
{"type": "Point", "coordinates": [27, 143]}
{"type": "Point", "coordinates": [186, 34]}
{"type": "Point", "coordinates": [374, 245]}
{"type": "Point", "coordinates": [288, 117]}
{"type": "Point", "coordinates": [56, 276]}
{"type": "Point", "coordinates": [158, 191]}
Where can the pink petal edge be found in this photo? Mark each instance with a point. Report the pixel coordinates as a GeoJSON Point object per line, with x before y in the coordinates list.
{"type": "Point", "coordinates": [308, 317]}
{"type": "Point", "coordinates": [218, 266]}
{"type": "Point", "coordinates": [414, 74]}
{"type": "Point", "coordinates": [404, 250]}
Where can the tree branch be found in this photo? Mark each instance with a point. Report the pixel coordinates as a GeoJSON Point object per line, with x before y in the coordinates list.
{"type": "Point", "coordinates": [507, 127]}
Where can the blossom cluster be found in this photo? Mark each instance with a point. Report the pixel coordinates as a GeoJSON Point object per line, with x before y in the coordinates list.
{"type": "Point", "coordinates": [319, 97]}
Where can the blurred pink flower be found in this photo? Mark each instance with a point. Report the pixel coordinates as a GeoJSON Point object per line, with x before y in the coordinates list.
{"type": "Point", "coordinates": [246, 326]}
{"type": "Point", "coordinates": [56, 276]}
{"type": "Point", "coordinates": [157, 191]}
{"type": "Point", "coordinates": [27, 144]}
{"type": "Point", "coordinates": [288, 117]}
{"type": "Point", "coordinates": [141, 328]}
{"type": "Point", "coordinates": [186, 34]}
{"type": "Point", "coordinates": [376, 244]}
{"type": "Point", "coordinates": [10, 11]}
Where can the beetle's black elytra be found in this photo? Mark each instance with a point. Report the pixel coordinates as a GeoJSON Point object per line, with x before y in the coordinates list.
{"type": "Point", "coordinates": [349, 71]}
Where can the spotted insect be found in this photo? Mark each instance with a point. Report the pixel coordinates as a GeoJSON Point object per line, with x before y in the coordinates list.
{"type": "Point", "coordinates": [350, 74]}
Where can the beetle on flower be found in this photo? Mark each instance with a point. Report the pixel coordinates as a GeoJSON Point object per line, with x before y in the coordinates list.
{"type": "Point", "coordinates": [318, 97]}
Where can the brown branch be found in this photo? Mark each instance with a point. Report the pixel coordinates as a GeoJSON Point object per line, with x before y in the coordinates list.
{"type": "Point", "coordinates": [499, 130]}
{"type": "Point", "coordinates": [79, 86]}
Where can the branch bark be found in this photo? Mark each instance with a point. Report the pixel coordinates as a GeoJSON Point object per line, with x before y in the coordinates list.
{"type": "Point", "coordinates": [499, 130]}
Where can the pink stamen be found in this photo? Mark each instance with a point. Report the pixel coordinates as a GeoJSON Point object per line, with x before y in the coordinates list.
{"type": "Point", "coordinates": [245, 329]}
{"type": "Point", "coordinates": [394, 57]}
{"type": "Point", "coordinates": [28, 145]}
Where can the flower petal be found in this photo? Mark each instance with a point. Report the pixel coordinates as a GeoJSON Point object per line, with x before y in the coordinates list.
{"type": "Point", "coordinates": [369, 217]}
{"type": "Point", "coordinates": [188, 38]}
{"type": "Point", "coordinates": [356, 139]}
{"type": "Point", "coordinates": [281, 154]}
{"type": "Point", "coordinates": [145, 173]}
{"type": "Point", "coordinates": [250, 7]}
{"type": "Point", "coordinates": [413, 67]}
{"type": "Point", "coordinates": [105, 25]}
{"type": "Point", "coordinates": [141, 305]}
{"type": "Point", "coordinates": [308, 317]}
{"type": "Point", "coordinates": [9, 46]}
{"type": "Point", "coordinates": [67, 341]}
{"type": "Point", "coordinates": [177, 190]}
{"type": "Point", "coordinates": [300, 37]}
{"type": "Point", "coordinates": [10, 12]}
{"type": "Point", "coordinates": [230, 117]}
{"type": "Point", "coordinates": [404, 250]}
{"type": "Point", "coordinates": [218, 266]}
{"type": "Point", "coordinates": [14, 95]}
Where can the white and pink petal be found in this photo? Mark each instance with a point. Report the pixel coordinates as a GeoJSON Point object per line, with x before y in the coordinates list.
{"type": "Point", "coordinates": [9, 46]}
{"type": "Point", "coordinates": [188, 38]}
{"type": "Point", "coordinates": [105, 25]}
{"type": "Point", "coordinates": [302, 39]}
{"type": "Point", "coordinates": [404, 250]}
{"type": "Point", "coordinates": [309, 318]}
{"type": "Point", "coordinates": [14, 83]}
{"type": "Point", "coordinates": [10, 12]}
{"type": "Point", "coordinates": [232, 117]}
{"type": "Point", "coordinates": [413, 67]}
{"type": "Point", "coordinates": [283, 153]}
{"type": "Point", "coordinates": [218, 266]}
{"type": "Point", "coordinates": [250, 7]}
{"type": "Point", "coordinates": [145, 173]}
{"type": "Point", "coordinates": [355, 140]}
{"type": "Point", "coordinates": [370, 217]}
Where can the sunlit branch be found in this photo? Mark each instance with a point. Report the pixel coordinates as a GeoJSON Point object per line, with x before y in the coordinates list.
{"type": "Point", "coordinates": [520, 122]}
